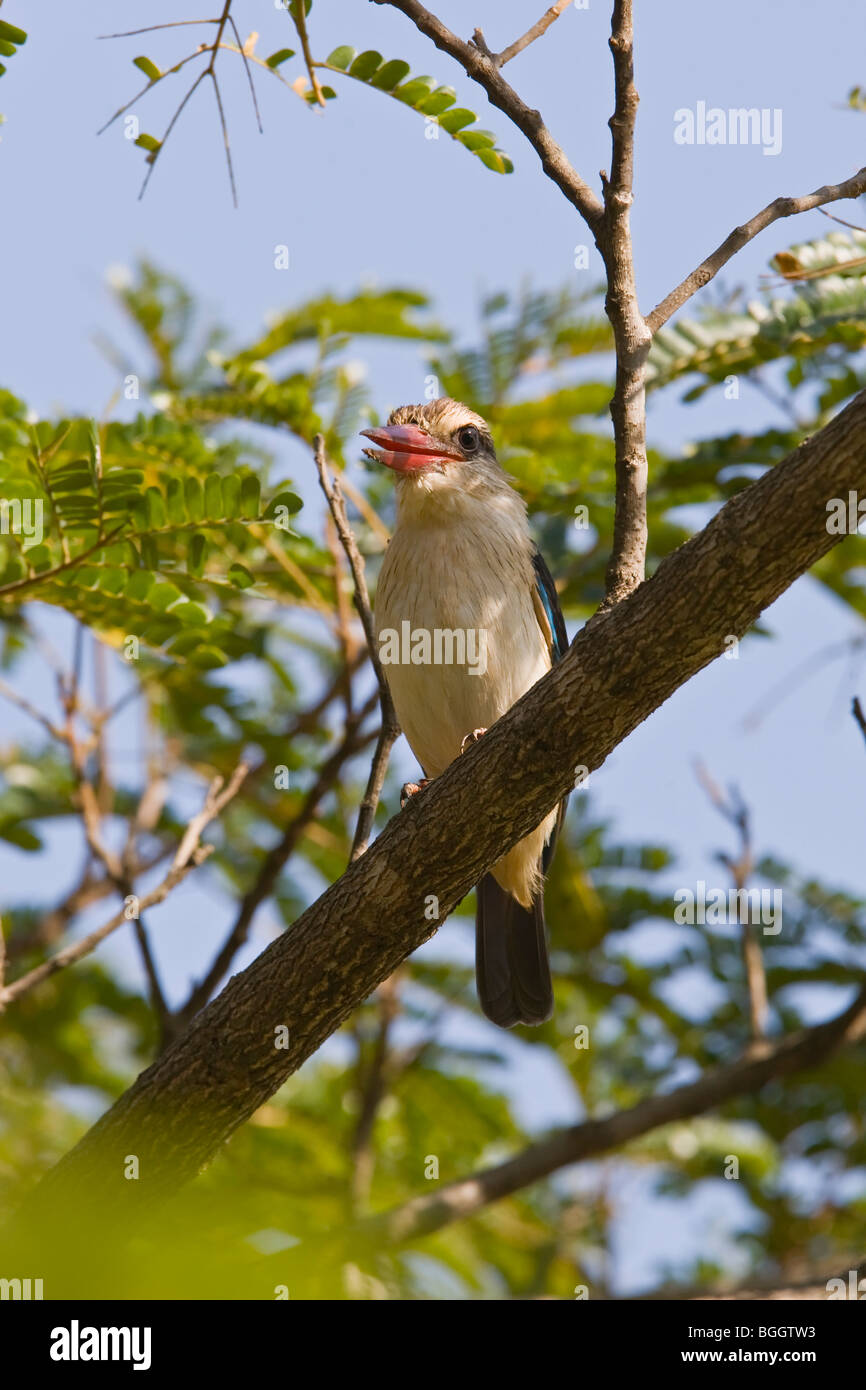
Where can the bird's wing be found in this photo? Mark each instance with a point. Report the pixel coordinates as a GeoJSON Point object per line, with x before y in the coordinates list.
{"type": "Point", "coordinates": [552, 624]}
{"type": "Point", "coordinates": [547, 608]}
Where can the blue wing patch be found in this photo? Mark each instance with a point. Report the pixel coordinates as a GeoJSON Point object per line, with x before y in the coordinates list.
{"type": "Point", "coordinates": [549, 600]}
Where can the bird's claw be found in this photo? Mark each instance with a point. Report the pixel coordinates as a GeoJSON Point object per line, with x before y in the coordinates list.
{"type": "Point", "coordinates": [471, 738]}
{"type": "Point", "coordinates": [410, 789]}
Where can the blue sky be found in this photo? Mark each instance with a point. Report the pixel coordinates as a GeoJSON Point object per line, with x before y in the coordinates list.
{"type": "Point", "coordinates": [358, 194]}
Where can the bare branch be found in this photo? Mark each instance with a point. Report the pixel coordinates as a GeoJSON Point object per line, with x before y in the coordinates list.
{"type": "Point", "coordinates": [225, 130]}
{"type": "Point", "coordinates": [189, 855]}
{"type": "Point", "coordinates": [372, 1085]}
{"type": "Point", "coordinates": [299, 18]}
{"type": "Point", "coordinates": [14, 698]}
{"type": "Point", "coordinates": [857, 711]}
{"type": "Point", "coordinates": [741, 236]}
{"type": "Point", "coordinates": [736, 813]}
{"type": "Point", "coordinates": [626, 567]}
{"type": "Point", "coordinates": [150, 28]}
{"type": "Point", "coordinates": [390, 730]}
{"type": "Point", "coordinates": [249, 72]}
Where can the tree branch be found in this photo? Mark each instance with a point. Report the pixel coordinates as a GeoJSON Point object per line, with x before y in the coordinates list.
{"type": "Point", "coordinates": [741, 236]}
{"type": "Point", "coordinates": [626, 567]}
{"type": "Point", "coordinates": [390, 728]}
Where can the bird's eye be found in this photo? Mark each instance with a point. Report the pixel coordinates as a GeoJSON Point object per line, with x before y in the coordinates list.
{"type": "Point", "coordinates": [468, 438]}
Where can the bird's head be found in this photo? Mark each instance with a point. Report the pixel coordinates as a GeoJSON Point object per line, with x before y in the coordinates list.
{"type": "Point", "coordinates": [441, 448]}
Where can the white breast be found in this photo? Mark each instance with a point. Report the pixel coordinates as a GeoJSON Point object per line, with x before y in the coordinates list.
{"type": "Point", "coordinates": [469, 572]}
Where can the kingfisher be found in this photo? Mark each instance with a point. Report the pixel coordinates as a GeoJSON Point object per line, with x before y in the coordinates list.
{"type": "Point", "coordinates": [462, 578]}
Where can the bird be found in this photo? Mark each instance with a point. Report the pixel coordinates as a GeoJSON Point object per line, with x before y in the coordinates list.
{"type": "Point", "coordinates": [461, 560]}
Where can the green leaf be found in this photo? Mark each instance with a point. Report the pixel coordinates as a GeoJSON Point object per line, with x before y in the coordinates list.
{"type": "Point", "coordinates": [250, 496]}
{"type": "Point", "coordinates": [341, 57]}
{"type": "Point", "coordinates": [156, 517]}
{"type": "Point", "coordinates": [416, 90]}
{"type": "Point", "coordinates": [387, 78]}
{"type": "Point", "coordinates": [455, 120]}
{"type": "Point", "coordinates": [191, 614]}
{"type": "Point", "coordinates": [282, 55]}
{"type": "Point", "coordinates": [497, 161]}
{"type": "Point", "coordinates": [11, 33]}
{"type": "Point", "coordinates": [198, 548]}
{"type": "Point", "coordinates": [366, 64]}
{"type": "Point", "coordinates": [240, 576]}
{"type": "Point", "coordinates": [148, 142]}
{"type": "Point", "coordinates": [231, 489]}
{"type": "Point", "coordinates": [20, 836]}
{"type": "Point", "coordinates": [148, 68]}
{"type": "Point", "coordinates": [208, 658]}
{"type": "Point", "coordinates": [437, 101]}
{"type": "Point", "coordinates": [194, 499]}
{"type": "Point", "coordinates": [174, 500]}
{"type": "Point", "coordinates": [140, 584]}
{"type": "Point", "coordinates": [289, 500]}
{"type": "Point", "coordinates": [161, 595]}
{"type": "Point", "coordinates": [475, 140]}
{"type": "Point", "coordinates": [8, 49]}
{"type": "Point", "coordinates": [213, 497]}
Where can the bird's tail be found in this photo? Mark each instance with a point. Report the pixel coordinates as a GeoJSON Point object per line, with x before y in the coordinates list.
{"type": "Point", "coordinates": [511, 964]}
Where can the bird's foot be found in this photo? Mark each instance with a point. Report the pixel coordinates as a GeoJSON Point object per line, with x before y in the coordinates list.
{"type": "Point", "coordinates": [409, 789]}
{"type": "Point", "coordinates": [471, 738]}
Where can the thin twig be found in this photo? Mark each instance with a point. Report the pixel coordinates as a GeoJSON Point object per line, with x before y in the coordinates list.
{"type": "Point", "coordinates": [23, 704]}
{"type": "Point", "coordinates": [390, 730]}
{"type": "Point", "coordinates": [225, 130]}
{"type": "Point", "coordinates": [45, 575]}
{"type": "Point", "coordinates": [189, 854]}
{"type": "Point", "coordinates": [857, 711]}
{"type": "Point", "coordinates": [855, 226]}
{"type": "Point", "coordinates": [736, 813]}
{"type": "Point", "coordinates": [540, 27]}
{"type": "Point", "coordinates": [298, 15]}
{"type": "Point", "coordinates": [249, 72]}
{"type": "Point", "coordinates": [372, 1082]}
{"type": "Point", "coordinates": [149, 28]}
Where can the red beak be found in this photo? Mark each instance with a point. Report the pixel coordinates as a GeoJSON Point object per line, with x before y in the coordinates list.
{"type": "Point", "coordinates": [406, 448]}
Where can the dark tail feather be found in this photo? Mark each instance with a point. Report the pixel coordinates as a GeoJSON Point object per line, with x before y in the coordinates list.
{"type": "Point", "coordinates": [511, 964]}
